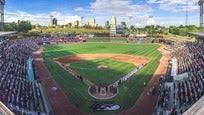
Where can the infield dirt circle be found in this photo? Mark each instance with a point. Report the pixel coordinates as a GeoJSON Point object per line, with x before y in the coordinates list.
{"type": "Point", "coordinates": [132, 59]}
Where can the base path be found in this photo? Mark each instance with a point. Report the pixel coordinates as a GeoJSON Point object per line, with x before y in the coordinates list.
{"type": "Point", "coordinates": [59, 102]}
{"type": "Point", "coordinates": [146, 103]}
{"type": "Point", "coordinates": [75, 74]}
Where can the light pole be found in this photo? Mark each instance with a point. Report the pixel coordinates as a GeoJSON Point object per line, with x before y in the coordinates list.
{"type": "Point", "coordinates": [201, 4]}
{"type": "Point", "coordinates": [186, 17]}
{"type": "Point", "coordinates": [151, 26]}
{"type": "Point", "coordinates": [82, 21]}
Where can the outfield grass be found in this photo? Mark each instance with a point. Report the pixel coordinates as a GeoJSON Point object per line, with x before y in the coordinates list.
{"type": "Point", "coordinates": [107, 39]}
{"type": "Point", "coordinates": [77, 91]}
{"type": "Point", "coordinates": [114, 71]}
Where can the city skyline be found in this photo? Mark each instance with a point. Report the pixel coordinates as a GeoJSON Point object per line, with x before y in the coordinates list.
{"type": "Point", "coordinates": [134, 12]}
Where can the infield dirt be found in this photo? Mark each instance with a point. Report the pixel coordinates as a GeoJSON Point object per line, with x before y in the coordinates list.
{"type": "Point", "coordinates": [132, 59]}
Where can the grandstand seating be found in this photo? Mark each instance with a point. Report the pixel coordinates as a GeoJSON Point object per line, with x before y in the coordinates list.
{"type": "Point", "coordinates": [187, 91]}
{"type": "Point", "coordinates": [190, 57]}
{"type": "Point", "coordinates": [16, 91]}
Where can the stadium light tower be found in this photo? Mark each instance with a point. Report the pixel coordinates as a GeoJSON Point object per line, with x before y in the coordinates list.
{"type": "Point", "coordinates": [2, 3]}
{"type": "Point", "coordinates": [186, 13]}
{"type": "Point", "coordinates": [201, 4]}
{"type": "Point", "coordinates": [186, 23]}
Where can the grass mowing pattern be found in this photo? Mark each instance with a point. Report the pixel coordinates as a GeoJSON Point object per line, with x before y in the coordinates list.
{"type": "Point", "coordinates": [77, 91]}
{"type": "Point", "coordinates": [115, 70]}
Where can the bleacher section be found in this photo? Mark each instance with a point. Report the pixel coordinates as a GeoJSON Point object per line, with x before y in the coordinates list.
{"type": "Point", "coordinates": [17, 92]}
{"type": "Point", "coordinates": [188, 84]}
{"type": "Point", "coordinates": [20, 91]}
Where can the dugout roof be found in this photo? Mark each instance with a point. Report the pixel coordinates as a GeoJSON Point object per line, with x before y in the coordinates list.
{"type": "Point", "coordinates": [6, 33]}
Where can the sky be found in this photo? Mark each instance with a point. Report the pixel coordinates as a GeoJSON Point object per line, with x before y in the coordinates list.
{"type": "Point", "coordinates": [133, 12]}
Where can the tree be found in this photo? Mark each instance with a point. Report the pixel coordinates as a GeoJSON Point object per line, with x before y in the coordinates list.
{"type": "Point", "coordinates": [124, 25]}
{"type": "Point", "coordinates": [107, 25]}
{"type": "Point", "coordinates": [132, 28]}
{"type": "Point", "coordinates": [69, 25]}
{"type": "Point", "coordinates": [183, 30]}
{"type": "Point", "coordinates": [24, 26]}
{"type": "Point", "coordinates": [10, 26]}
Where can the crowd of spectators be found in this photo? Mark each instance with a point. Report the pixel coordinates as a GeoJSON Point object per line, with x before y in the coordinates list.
{"type": "Point", "coordinates": [164, 97]}
{"type": "Point", "coordinates": [190, 57]}
{"type": "Point", "coordinates": [70, 39]}
{"type": "Point", "coordinates": [186, 91]}
{"type": "Point", "coordinates": [16, 91]}
{"type": "Point", "coordinates": [189, 90]}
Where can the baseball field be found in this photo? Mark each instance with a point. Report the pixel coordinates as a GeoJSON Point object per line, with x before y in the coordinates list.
{"type": "Point", "coordinates": [118, 60]}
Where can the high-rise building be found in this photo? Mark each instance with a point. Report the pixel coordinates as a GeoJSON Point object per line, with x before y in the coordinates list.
{"type": "Point", "coordinates": [92, 22]}
{"type": "Point", "coordinates": [53, 21]}
{"type": "Point", "coordinates": [76, 23]}
{"type": "Point", "coordinates": [113, 28]}
{"type": "Point", "coordinates": [113, 20]}
{"type": "Point", "coordinates": [2, 3]}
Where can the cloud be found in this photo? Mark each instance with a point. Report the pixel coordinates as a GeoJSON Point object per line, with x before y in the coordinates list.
{"type": "Point", "coordinates": [137, 13]}
{"type": "Point", "coordinates": [65, 18]}
{"type": "Point", "coordinates": [179, 20]}
{"type": "Point", "coordinates": [118, 8]}
{"type": "Point", "coordinates": [151, 21]}
{"type": "Point", "coordinates": [124, 10]}
{"type": "Point", "coordinates": [41, 18]}
{"type": "Point", "coordinates": [134, 13]}
{"type": "Point", "coordinates": [176, 5]}
{"type": "Point", "coordinates": [79, 9]}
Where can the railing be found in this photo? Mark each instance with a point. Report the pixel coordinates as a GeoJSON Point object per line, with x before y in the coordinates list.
{"type": "Point", "coordinates": [4, 110]}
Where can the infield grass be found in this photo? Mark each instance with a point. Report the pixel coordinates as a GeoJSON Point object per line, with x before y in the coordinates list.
{"type": "Point", "coordinates": [114, 71]}
{"type": "Point", "coordinates": [78, 92]}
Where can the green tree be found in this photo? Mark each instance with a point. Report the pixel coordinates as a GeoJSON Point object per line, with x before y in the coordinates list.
{"type": "Point", "coordinates": [10, 26]}
{"type": "Point", "coordinates": [107, 25]}
{"type": "Point", "coordinates": [124, 25]}
{"type": "Point", "coordinates": [183, 30]}
{"type": "Point", "coordinates": [132, 28]}
{"type": "Point", "coordinates": [69, 25]}
{"type": "Point", "coordinates": [24, 26]}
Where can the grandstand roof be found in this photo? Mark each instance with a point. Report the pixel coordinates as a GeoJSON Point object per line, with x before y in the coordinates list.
{"type": "Point", "coordinates": [197, 108]}
{"type": "Point", "coordinates": [6, 33]}
{"type": "Point", "coordinates": [199, 34]}
{"type": "Point", "coordinates": [4, 110]}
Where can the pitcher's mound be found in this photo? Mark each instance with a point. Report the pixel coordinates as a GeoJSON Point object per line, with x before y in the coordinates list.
{"type": "Point", "coordinates": [102, 67]}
